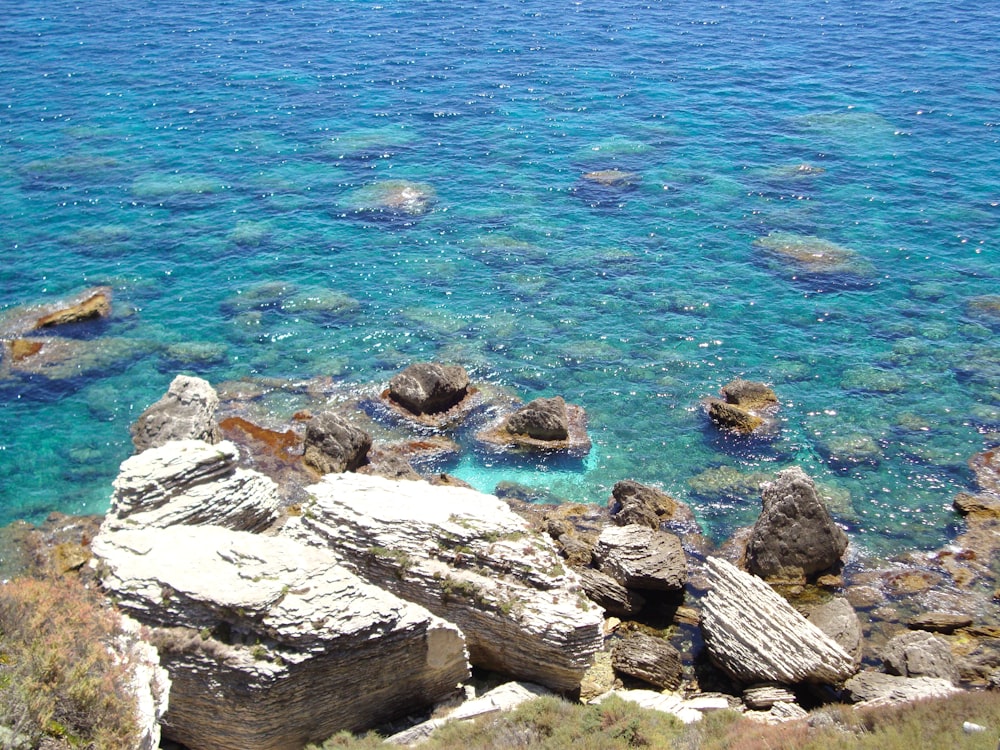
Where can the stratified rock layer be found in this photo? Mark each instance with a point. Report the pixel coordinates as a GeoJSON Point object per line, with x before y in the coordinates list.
{"type": "Point", "coordinates": [280, 635]}
{"type": "Point", "coordinates": [640, 558]}
{"type": "Point", "coordinates": [469, 559]}
{"type": "Point", "coordinates": [756, 636]}
{"type": "Point", "coordinates": [194, 483]}
{"type": "Point", "coordinates": [186, 412]}
{"type": "Point", "coordinates": [794, 535]}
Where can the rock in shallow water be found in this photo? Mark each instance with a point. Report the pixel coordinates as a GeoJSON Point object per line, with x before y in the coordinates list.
{"type": "Point", "coordinates": [794, 535]}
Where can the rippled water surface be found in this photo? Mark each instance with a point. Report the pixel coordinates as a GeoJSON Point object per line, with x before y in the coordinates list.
{"type": "Point", "coordinates": [206, 159]}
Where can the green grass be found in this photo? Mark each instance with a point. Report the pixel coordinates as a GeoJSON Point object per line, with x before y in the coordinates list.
{"type": "Point", "coordinates": [551, 723]}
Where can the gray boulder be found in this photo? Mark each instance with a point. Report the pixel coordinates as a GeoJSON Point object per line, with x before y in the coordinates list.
{"type": "Point", "coordinates": [754, 635]}
{"type": "Point", "coordinates": [640, 558]}
{"type": "Point", "coordinates": [873, 689]}
{"type": "Point", "coordinates": [918, 653]}
{"type": "Point", "coordinates": [650, 659]}
{"type": "Point", "coordinates": [794, 535]}
{"type": "Point", "coordinates": [541, 419]}
{"type": "Point", "coordinates": [840, 622]}
{"type": "Point", "coordinates": [609, 594]}
{"type": "Point", "coordinates": [635, 503]}
{"type": "Point", "coordinates": [333, 445]}
{"type": "Point", "coordinates": [429, 387]}
{"type": "Point", "coordinates": [271, 644]}
{"type": "Point", "coordinates": [186, 412]}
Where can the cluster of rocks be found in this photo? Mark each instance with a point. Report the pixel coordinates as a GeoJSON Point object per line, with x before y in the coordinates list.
{"type": "Point", "coordinates": [359, 599]}
{"type": "Point", "coordinates": [368, 601]}
{"type": "Point", "coordinates": [746, 407]}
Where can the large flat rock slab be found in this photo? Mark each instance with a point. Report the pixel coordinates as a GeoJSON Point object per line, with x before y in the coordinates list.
{"type": "Point", "coordinates": [469, 559]}
{"type": "Point", "coordinates": [280, 634]}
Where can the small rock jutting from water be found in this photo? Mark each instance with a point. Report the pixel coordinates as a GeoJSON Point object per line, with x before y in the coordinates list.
{"type": "Point", "coordinates": [429, 387]}
{"type": "Point", "coordinates": [545, 424]}
{"type": "Point", "coordinates": [747, 407]}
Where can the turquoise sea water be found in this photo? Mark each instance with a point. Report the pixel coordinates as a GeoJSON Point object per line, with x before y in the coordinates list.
{"type": "Point", "coordinates": [193, 154]}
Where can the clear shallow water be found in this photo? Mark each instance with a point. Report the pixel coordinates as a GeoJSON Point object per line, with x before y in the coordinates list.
{"type": "Point", "coordinates": [190, 153]}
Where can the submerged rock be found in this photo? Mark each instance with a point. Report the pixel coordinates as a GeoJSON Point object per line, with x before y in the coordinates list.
{"type": "Point", "coordinates": [469, 559]}
{"type": "Point", "coordinates": [271, 644]}
{"type": "Point", "coordinates": [754, 635]}
{"type": "Point", "coordinates": [186, 412]}
{"type": "Point", "coordinates": [393, 198]}
{"type": "Point", "coordinates": [812, 255]}
{"type": "Point", "coordinates": [794, 535]}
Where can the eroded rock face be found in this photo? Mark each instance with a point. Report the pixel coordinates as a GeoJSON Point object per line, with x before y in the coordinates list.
{"type": "Point", "coordinates": [918, 653]}
{"type": "Point", "coordinates": [333, 444]}
{"type": "Point", "coordinates": [840, 622]}
{"type": "Point", "coordinates": [794, 535]}
{"type": "Point", "coordinates": [640, 558]}
{"type": "Point", "coordinates": [469, 559]}
{"type": "Point", "coordinates": [429, 387]}
{"type": "Point", "coordinates": [194, 483]}
{"type": "Point", "coordinates": [873, 689]}
{"type": "Point", "coordinates": [186, 412]}
{"type": "Point", "coordinates": [653, 660]}
{"type": "Point", "coordinates": [609, 594]}
{"type": "Point", "coordinates": [280, 635]}
{"type": "Point", "coordinates": [754, 635]}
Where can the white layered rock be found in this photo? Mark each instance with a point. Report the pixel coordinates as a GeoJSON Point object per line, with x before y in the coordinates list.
{"type": "Point", "coordinates": [469, 559]}
{"type": "Point", "coordinates": [754, 635]}
{"type": "Point", "coordinates": [194, 483]}
{"type": "Point", "coordinates": [291, 644]}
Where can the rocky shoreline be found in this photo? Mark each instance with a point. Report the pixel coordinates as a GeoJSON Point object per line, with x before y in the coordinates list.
{"type": "Point", "coordinates": [303, 578]}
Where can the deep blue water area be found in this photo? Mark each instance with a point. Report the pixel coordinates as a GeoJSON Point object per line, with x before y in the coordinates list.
{"type": "Point", "coordinates": [206, 159]}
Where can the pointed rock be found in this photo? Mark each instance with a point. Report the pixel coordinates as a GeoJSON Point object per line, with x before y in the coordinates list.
{"type": "Point", "coordinates": [186, 412]}
{"type": "Point", "coordinates": [794, 535]}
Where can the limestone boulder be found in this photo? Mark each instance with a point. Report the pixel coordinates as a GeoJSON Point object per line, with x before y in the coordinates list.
{"type": "Point", "coordinates": [272, 644]}
{"type": "Point", "coordinates": [648, 658]}
{"type": "Point", "coordinates": [877, 689]}
{"type": "Point", "coordinates": [187, 411]}
{"type": "Point", "coordinates": [468, 558]}
{"type": "Point", "coordinates": [640, 558]}
{"type": "Point", "coordinates": [332, 444]}
{"type": "Point", "coordinates": [918, 653]}
{"type": "Point", "coordinates": [609, 594]}
{"type": "Point", "coordinates": [794, 535]}
{"type": "Point", "coordinates": [754, 635]}
{"type": "Point", "coordinates": [840, 622]}
{"type": "Point", "coordinates": [191, 482]}
{"type": "Point", "coordinates": [429, 387]}
{"type": "Point", "coordinates": [635, 503]}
